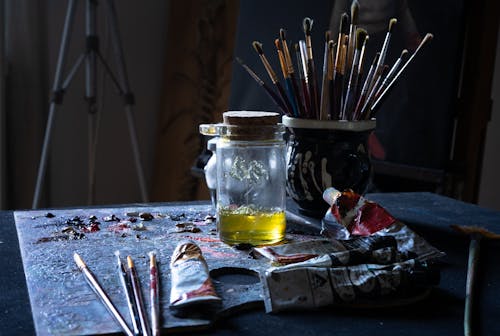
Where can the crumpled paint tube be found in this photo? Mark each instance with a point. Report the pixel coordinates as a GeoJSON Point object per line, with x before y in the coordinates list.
{"type": "Point", "coordinates": [313, 287]}
{"type": "Point", "coordinates": [191, 283]}
{"type": "Point", "coordinates": [358, 215]}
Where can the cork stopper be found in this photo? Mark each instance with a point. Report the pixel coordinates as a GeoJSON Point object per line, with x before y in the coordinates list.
{"type": "Point", "coordinates": [251, 125]}
{"type": "Point", "coordinates": [251, 118]}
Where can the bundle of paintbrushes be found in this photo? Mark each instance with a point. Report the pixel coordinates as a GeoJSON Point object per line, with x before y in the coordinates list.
{"type": "Point", "coordinates": [132, 289]}
{"type": "Point", "coordinates": [345, 93]}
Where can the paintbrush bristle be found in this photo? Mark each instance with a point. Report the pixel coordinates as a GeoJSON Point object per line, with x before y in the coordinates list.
{"type": "Point", "coordinates": [328, 34]}
{"type": "Point", "coordinates": [78, 260]}
{"type": "Point", "coordinates": [130, 262]}
{"type": "Point", "coordinates": [307, 25]}
{"type": "Point", "coordinates": [392, 23]}
{"type": "Point", "coordinates": [282, 34]}
{"type": "Point", "coordinates": [258, 47]}
{"type": "Point", "coordinates": [152, 258]}
{"type": "Point", "coordinates": [361, 35]}
{"type": "Point", "coordinates": [471, 230]}
{"type": "Point", "coordinates": [403, 53]}
{"type": "Point", "coordinates": [344, 24]}
{"type": "Point", "coordinates": [354, 12]}
{"type": "Point", "coordinates": [428, 37]}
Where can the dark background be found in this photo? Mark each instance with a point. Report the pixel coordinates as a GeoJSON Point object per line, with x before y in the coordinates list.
{"type": "Point", "coordinates": [415, 123]}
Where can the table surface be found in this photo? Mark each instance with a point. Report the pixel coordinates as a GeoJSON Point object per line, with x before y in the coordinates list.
{"type": "Point", "coordinates": [440, 314]}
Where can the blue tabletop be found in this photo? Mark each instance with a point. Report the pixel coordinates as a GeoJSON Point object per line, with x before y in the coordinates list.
{"type": "Point", "coordinates": [441, 313]}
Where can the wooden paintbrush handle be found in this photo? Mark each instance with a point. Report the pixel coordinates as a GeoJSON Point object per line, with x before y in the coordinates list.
{"type": "Point", "coordinates": [472, 267]}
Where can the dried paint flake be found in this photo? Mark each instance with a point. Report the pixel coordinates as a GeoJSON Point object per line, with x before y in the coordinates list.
{"type": "Point", "coordinates": [111, 218]}
{"type": "Point", "coordinates": [68, 233]}
{"type": "Point", "coordinates": [186, 227]}
{"type": "Point", "coordinates": [93, 227]}
{"type": "Point", "coordinates": [139, 227]}
{"type": "Point", "coordinates": [132, 214]}
{"type": "Point", "coordinates": [209, 219]}
{"type": "Point", "coordinates": [146, 216]}
{"type": "Point", "coordinates": [177, 218]}
{"type": "Point", "coordinates": [120, 227]}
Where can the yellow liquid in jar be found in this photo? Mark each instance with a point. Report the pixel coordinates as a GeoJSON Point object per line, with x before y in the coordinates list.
{"type": "Point", "coordinates": [254, 227]}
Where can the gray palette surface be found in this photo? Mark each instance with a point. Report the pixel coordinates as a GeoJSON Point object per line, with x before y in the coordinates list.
{"type": "Point", "coordinates": [63, 303]}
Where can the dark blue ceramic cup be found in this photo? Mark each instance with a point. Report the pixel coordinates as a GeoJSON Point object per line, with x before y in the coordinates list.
{"type": "Point", "coordinates": [322, 154]}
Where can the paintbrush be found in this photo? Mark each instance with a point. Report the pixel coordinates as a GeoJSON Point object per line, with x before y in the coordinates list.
{"type": "Point", "coordinates": [352, 85]}
{"type": "Point", "coordinates": [385, 45]}
{"type": "Point", "coordinates": [380, 66]}
{"type": "Point", "coordinates": [272, 94]}
{"type": "Point", "coordinates": [311, 71]}
{"type": "Point", "coordinates": [258, 48]}
{"type": "Point", "coordinates": [291, 73]}
{"type": "Point", "coordinates": [323, 114]}
{"type": "Point", "coordinates": [139, 302]}
{"type": "Point", "coordinates": [286, 77]}
{"type": "Point", "coordinates": [339, 68]}
{"type": "Point", "coordinates": [376, 105]}
{"type": "Point", "coordinates": [154, 294]}
{"type": "Point", "coordinates": [331, 62]}
{"type": "Point", "coordinates": [127, 289]}
{"type": "Point", "coordinates": [365, 114]}
{"type": "Point", "coordinates": [360, 71]}
{"type": "Point", "coordinates": [391, 73]}
{"type": "Point", "coordinates": [364, 89]}
{"type": "Point", "coordinates": [352, 35]}
{"type": "Point", "coordinates": [96, 287]}
{"type": "Point", "coordinates": [305, 86]}
{"type": "Point", "coordinates": [476, 234]}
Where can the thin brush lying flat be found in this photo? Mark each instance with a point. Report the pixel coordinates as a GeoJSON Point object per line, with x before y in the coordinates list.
{"type": "Point", "coordinates": [129, 295]}
{"type": "Point", "coordinates": [99, 291]}
{"type": "Point", "coordinates": [139, 302]}
{"type": "Point", "coordinates": [154, 295]}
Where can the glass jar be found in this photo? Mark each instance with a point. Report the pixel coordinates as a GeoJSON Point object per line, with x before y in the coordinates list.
{"type": "Point", "coordinates": [251, 177]}
{"type": "Point", "coordinates": [210, 171]}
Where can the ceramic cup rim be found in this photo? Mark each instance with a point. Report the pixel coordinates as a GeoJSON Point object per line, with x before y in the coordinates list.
{"type": "Point", "coordinates": [345, 125]}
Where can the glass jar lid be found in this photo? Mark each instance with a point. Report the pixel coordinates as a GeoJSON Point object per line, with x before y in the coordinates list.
{"type": "Point", "coordinates": [246, 125]}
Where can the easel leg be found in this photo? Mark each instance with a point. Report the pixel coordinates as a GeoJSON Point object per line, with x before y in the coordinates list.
{"type": "Point", "coordinates": [92, 42]}
{"type": "Point", "coordinates": [58, 93]}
